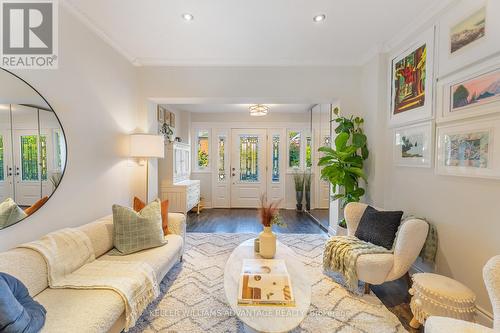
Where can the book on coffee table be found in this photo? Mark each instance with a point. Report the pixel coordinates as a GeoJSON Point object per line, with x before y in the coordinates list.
{"type": "Point", "coordinates": [265, 282]}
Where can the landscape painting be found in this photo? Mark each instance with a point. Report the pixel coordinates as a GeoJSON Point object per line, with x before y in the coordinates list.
{"type": "Point", "coordinates": [467, 150]}
{"type": "Point", "coordinates": [476, 91]}
{"type": "Point", "coordinates": [468, 31]}
{"type": "Point", "coordinates": [409, 76]}
{"type": "Point", "coordinates": [412, 146]}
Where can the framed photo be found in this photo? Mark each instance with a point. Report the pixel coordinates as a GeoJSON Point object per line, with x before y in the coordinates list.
{"type": "Point", "coordinates": [161, 111]}
{"type": "Point", "coordinates": [411, 76]}
{"type": "Point", "coordinates": [413, 145]}
{"type": "Point", "coordinates": [172, 119]}
{"type": "Point", "coordinates": [469, 149]}
{"type": "Point", "coordinates": [468, 32]}
{"type": "Point", "coordinates": [470, 93]}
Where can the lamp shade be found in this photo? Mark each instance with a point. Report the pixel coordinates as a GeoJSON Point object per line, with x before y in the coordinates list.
{"type": "Point", "coordinates": [147, 145]}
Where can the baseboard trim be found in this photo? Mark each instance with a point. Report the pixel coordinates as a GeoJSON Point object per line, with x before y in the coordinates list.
{"type": "Point", "coordinates": [483, 317]}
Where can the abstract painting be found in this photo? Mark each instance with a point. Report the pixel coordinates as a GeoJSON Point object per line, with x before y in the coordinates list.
{"type": "Point", "coordinates": [409, 75]}
{"type": "Point", "coordinates": [476, 91]}
{"type": "Point", "coordinates": [467, 150]}
{"type": "Point", "coordinates": [468, 31]}
{"type": "Point", "coordinates": [413, 144]}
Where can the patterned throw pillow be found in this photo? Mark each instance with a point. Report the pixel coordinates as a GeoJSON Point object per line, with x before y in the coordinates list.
{"type": "Point", "coordinates": [135, 231]}
{"type": "Point", "coordinates": [10, 213]}
{"type": "Point", "coordinates": [139, 204]}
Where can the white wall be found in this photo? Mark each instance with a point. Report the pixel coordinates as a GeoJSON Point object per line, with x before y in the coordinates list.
{"type": "Point", "coordinates": [464, 210]}
{"type": "Point", "coordinates": [94, 94]}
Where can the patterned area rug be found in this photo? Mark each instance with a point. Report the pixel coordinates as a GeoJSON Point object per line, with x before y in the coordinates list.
{"type": "Point", "coordinates": [193, 299]}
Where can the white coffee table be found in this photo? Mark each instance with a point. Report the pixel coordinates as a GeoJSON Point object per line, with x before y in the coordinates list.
{"type": "Point", "coordinates": [269, 319]}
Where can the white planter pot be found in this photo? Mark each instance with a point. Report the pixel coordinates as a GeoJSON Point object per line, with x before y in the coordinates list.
{"type": "Point", "coordinates": [267, 243]}
{"type": "Point", "coordinates": [339, 231]}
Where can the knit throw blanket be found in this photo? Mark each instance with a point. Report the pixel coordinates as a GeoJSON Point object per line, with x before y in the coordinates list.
{"type": "Point", "coordinates": [341, 254]}
{"type": "Point", "coordinates": [71, 263]}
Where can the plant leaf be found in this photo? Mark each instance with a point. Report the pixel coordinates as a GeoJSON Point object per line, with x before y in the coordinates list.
{"type": "Point", "coordinates": [341, 141]}
{"type": "Point", "coordinates": [359, 140]}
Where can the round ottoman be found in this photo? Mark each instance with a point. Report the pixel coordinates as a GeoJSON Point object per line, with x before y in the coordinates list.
{"type": "Point", "coordinates": [437, 295]}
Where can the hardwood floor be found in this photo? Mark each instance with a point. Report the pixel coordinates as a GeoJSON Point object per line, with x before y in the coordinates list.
{"type": "Point", "coordinates": [393, 294]}
{"type": "Point", "coordinates": [246, 220]}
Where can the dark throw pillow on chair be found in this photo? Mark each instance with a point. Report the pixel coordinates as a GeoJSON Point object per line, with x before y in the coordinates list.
{"type": "Point", "coordinates": [18, 311]}
{"type": "Point", "coordinates": [379, 227]}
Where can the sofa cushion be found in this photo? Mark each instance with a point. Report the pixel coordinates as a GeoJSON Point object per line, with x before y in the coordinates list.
{"type": "Point", "coordinates": [100, 233]}
{"type": "Point", "coordinates": [18, 311]}
{"type": "Point", "coordinates": [374, 268]}
{"type": "Point", "coordinates": [161, 259]}
{"type": "Point", "coordinates": [135, 231]}
{"type": "Point", "coordinates": [32, 272]}
{"type": "Point", "coordinates": [379, 227]}
{"type": "Point", "coordinates": [83, 311]}
{"type": "Point", "coordinates": [139, 205]}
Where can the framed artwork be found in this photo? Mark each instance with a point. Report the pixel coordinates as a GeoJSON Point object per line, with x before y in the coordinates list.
{"type": "Point", "coordinates": [161, 111]}
{"type": "Point", "coordinates": [470, 93]}
{"type": "Point", "coordinates": [469, 30]}
{"type": "Point", "coordinates": [172, 119]}
{"type": "Point", "coordinates": [413, 145]}
{"type": "Point", "coordinates": [411, 73]}
{"type": "Point", "coordinates": [469, 149]}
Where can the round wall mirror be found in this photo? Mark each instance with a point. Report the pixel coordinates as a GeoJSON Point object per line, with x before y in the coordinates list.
{"type": "Point", "coordinates": [32, 150]}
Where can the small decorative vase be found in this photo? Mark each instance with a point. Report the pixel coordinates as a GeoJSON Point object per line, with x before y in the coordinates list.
{"type": "Point", "coordinates": [299, 195]}
{"type": "Point", "coordinates": [267, 243]}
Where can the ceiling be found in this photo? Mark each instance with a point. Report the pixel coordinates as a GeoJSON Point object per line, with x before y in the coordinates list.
{"type": "Point", "coordinates": [240, 108]}
{"type": "Point", "coordinates": [250, 33]}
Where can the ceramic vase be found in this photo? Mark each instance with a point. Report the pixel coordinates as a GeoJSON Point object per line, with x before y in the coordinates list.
{"type": "Point", "coordinates": [267, 243]}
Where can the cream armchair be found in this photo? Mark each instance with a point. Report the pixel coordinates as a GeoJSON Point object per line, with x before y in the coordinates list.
{"type": "Point", "coordinates": [491, 276]}
{"type": "Point", "coordinates": [379, 268]}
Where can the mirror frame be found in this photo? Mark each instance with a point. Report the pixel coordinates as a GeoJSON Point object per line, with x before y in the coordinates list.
{"type": "Point", "coordinates": [65, 143]}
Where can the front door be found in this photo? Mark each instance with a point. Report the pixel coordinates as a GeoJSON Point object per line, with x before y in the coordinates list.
{"type": "Point", "coordinates": [248, 167]}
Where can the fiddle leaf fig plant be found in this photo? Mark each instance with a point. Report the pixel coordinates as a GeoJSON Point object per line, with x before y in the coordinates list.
{"type": "Point", "coordinates": [343, 164]}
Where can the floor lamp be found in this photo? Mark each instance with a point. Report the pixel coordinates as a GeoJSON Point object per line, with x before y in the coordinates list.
{"type": "Point", "coordinates": [146, 146]}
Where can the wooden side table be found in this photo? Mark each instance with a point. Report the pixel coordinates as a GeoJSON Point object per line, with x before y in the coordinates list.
{"type": "Point", "coordinates": [438, 295]}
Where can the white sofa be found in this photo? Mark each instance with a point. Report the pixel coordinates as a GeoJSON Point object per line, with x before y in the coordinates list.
{"type": "Point", "coordinates": [92, 311]}
{"type": "Point", "coordinates": [379, 268]}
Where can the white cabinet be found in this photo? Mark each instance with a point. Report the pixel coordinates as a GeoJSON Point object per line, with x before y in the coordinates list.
{"type": "Point", "coordinates": [182, 193]}
{"type": "Point", "coordinates": [182, 196]}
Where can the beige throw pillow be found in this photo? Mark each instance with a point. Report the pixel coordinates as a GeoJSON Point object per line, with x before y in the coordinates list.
{"type": "Point", "coordinates": [135, 231]}
{"type": "Point", "coordinates": [10, 213]}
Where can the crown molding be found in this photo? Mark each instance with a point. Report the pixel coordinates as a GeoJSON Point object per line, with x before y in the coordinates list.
{"type": "Point", "coordinates": [89, 23]}
{"type": "Point", "coordinates": [419, 23]}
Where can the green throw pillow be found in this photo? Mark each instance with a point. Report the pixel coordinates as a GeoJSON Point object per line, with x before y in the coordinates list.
{"type": "Point", "coordinates": [135, 231]}
{"type": "Point", "coordinates": [10, 213]}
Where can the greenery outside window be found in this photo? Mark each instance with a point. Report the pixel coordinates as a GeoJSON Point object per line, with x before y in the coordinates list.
{"type": "Point", "coordinates": [202, 149]}
{"type": "Point", "coordinates": [29, 157]}
{"type": "Point", "coordinates": [294, 145]}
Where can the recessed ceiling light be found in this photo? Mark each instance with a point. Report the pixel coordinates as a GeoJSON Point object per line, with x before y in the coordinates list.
{"type": "Point", "coordinates": [188, 17]}
{"type": "Point", "coordinates": [319, 18]}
